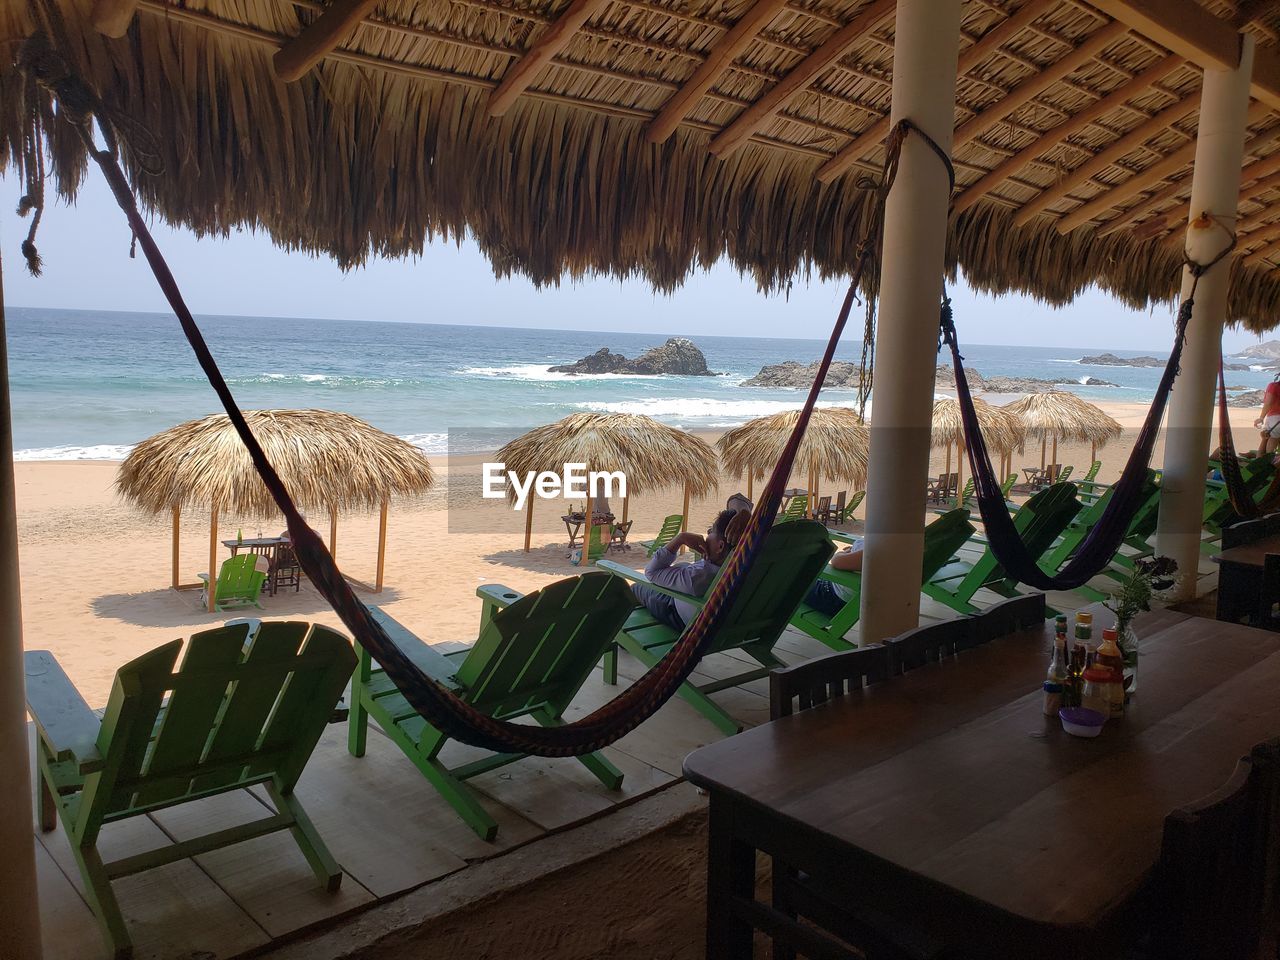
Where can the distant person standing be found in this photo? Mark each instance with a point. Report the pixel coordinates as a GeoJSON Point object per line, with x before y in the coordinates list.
{"type": "Point", "coordinates": [1269, 421]}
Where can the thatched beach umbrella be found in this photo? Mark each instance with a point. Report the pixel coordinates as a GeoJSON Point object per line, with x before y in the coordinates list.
{"type": "Point", "coordinates": [1002, 431]}
{"type": "Point", "coordinates": [649, 453]}
{"type": "Point", "coordinates": [329, 462]}
{"type": "Point", "coordinates": [1065, 416]}
{"type": "Point", "coordinates": [834, 446]}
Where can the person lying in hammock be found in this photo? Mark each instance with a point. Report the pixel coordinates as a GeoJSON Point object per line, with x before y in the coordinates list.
{"type": "Point", "coordinates": [830, 598]}
{"type": "Point", "coordinates": [691, 578]}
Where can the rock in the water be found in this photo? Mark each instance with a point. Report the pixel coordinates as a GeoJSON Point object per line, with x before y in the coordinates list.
{"type": "Point", "coordinates": [1111, 360]}
{"type": "Point", "coordinates": [798, 376]}
{"type": "Point", "coordinates": [1262, 351]}
{"type": "Point", "coordinates": [1250, 398]}
{"type": "Point", "coordinates": [678, 356]}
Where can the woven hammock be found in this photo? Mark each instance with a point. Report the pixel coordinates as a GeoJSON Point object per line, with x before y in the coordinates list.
{"type": "Point", "coordinates": [1105, 537]}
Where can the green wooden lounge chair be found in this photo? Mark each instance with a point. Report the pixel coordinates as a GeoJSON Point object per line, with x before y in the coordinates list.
{"type": "Point", "coordinates": [790, 560]}
{"type": "Point", "coordinates": [532, 656]}
{"type": "Point", "coordinates": [796, 509]}
{"type": "Point", "coordinates": [942, 538]}
{"type": "Point", "coordinates": [855, 501]}
{"type": "Point", "coordinates": [599, 545]}
{"type": "Point", "coordinates": [240, 582]}
{"type": "Point", "coordinates": [246, 706]}
{"type": "Point", "coordinates": [1039, 521]}
{"type": "Point", "coordinates": [1092, 473]}
{"type": "Point", "coordinates": [1006, 488]}
{"type": "Point", "coordinates": [670, 530]}
{"type": "Point", "coordinates": [1065, 473]}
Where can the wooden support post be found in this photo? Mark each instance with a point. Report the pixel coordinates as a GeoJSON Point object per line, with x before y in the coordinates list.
{"type": "Point", "coordinates": [586, 530]}
{"type": "Point", "coordinates": [177, 535]}
{"type": "Point", "coordinates": [321, 37]}
{"type": "Point", "coordinates": [212, 591]}
{"type": "Point", "coordinates": [946, 465]}
{"type": "Point", "coordinates": [959, 472]}
{"type": "Point", "coordinates": [812, 508]}
{"type": "Point", "coordinates": [521, 74]}
{"type": "Point", "coordinates": [333, 533]}
{"type": "Point", "coordinates": [684, 520]}
{"type": "Point", "coordinates": [626, 507]}
{"type": "Point", "coordinates": [750, 477]}
{"type": "Point", "coordinates": [1093, 454]}
{"type": "Point", "coordinates": [1054, 458]}
{"type": "Point", "coordinates": [19, 908]}
{"type": "Point", "coordinates": [382, 546]}
{"type": "Point", "coordinates": [528, 525]}
{"type": "Point", "coordinates": [1215, 189]}
{"type": "Point", "coordinates": [111, 18]}
{"type": "Point", "coordinates": [926, 47]}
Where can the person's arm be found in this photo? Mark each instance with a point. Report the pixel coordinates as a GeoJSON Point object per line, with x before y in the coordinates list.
{"type": "Point", "coordinates": [848, 559]}
{"type": "Point", "coordinates": [661, 570]}
{"type": "Point", "coordinates": [1268, 405]}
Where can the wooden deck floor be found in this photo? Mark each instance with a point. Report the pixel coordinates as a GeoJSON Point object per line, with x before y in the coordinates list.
{"type": "Point", "coordinates": [388, 828]}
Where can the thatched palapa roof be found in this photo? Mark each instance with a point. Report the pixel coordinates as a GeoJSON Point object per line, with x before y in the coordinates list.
{"type": "Point", "coordinates": [650, 453]}
{"type": "Point", "coordinates": [654, 137]}
{"type": "Point", "coordinates": [327, 461]}
{"type": "Point", "coordinates": [1002, 431]}
{"type": "Point", "coordinates": [1060, 414]}
{"type": "Point", "coordinates": [834, 445]}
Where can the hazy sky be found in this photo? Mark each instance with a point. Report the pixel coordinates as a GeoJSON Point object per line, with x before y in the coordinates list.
{"type": "Point", "coordinates": [85, 250]}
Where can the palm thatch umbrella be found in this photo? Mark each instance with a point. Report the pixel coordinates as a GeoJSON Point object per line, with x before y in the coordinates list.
{"type": "Point", "coordinates": [1002, 431]}
{"type": "Point", "coordinates": [834, 446]}
{"type": "Point", "coordinates": [1063, 415]}
{"type": "Point", "coordinates": [649, 454]}
{"type": "Point", "coordinates": [329, 461]}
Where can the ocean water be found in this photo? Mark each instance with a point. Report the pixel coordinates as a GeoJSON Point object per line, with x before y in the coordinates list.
{"type": "Point", "coordinates": [89, 384]}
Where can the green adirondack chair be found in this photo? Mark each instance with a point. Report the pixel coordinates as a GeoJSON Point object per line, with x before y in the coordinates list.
{"type": "Point", "coordinates": [670, 529]}
{"type": "Point", "coordinates": [789, 561]}
{"type": "Point", "coordinates": [796, 509]}
{"type": "Point", "coordinates": [1065, 473]}
{"type": "Point", "coordinates": [1006, 488]}
{"type": "Point", "coordinates": [599, 544]}
{"type": "Point", "coordinates": [942, 538]}
{"type": "Point", "coordinates": [246, 706]}
{"type": "Point", "coordinates": [1092, 474]}
{"type": "Point", "coordinates": [532, 656]}
{"type": "Point", "coordinates": [1039, 522]}
{"type": "Point", "coordinates": [855, 501]}
{"type": "Point", "coordinates": [239, 583]}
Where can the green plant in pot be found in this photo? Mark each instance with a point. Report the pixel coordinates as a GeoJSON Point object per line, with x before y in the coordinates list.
{"type": "Point", "coordinates": [1149, 579]}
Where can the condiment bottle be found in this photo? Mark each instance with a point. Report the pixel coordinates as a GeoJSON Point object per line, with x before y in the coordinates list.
{"type": "Point", "coordinates": [1110, 657]}
{"type": "Point", "coordinates": [1058, 665]}
{"type": "Point", "coordinates": [1075, 677]}
{"type": "Point", "coordinates": [1097, 689]}
{"type": "Point", "coordinates": [1084, 634]}
{"type": "Point", "coordinates": [1052, 698]}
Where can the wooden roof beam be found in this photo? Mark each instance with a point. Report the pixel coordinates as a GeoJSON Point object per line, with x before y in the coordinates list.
{"type": "Point", "coordinates": [1113, 196]}
{"type": "Point", "coordinates": [320, 38]}
{"type": "Point", "coordinates": [1078, 121]}
{"type": "Point", "coordinates": [763, 110]}
{"type": "Point", "coordinates": [1104, 158]}
{"type": "Point", "coordinates": [1188, 29]}
{"type": "Point", "coordinates": [112, 17]}
{"type": "Point", "coordinates": [969, 58]}
{"type": "Point", "coordinates": [726, 50]}
{"type": "Point", "coordinates": [1262, 253]}
{"type": "Point", "coordinates": [521, 74]}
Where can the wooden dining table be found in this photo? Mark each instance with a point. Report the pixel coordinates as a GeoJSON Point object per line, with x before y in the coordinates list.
{"type": "Point", "coordinates": [1240, 577]}
{"type": "Point", "coordinates": [945, 799]}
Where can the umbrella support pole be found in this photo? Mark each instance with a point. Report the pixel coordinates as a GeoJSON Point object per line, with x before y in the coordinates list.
{"type": "Point", "coordinates": [175, 582]}
{"type": "Point", "coordinates": [19, 908]}
{"type": "Point", "coordinates": [684, 516]}
{"type": "Point", "coordinates": [528, 525]}
{"type": "Point", "coordinates": [382, 547]}
{"type": "Point", "coordinates": [213, 561]}
{"type": "Point", "coordinates": [333, 534]}
{"type": "Point", "coordinates": [1215, 190]}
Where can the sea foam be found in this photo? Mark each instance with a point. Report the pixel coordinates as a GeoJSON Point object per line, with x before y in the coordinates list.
{"type": "Point", "coordinates": [98, 451]}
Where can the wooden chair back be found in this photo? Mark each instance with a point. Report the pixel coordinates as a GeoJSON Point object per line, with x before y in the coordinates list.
{"type": "Point", "coordinates": [854, 502]}
{"type": "Point", "coordinates": [1010, 616]}
{"type": "Point", "coordinates": [286, 570]}
{"type": "Point", "coordinates": [1212, 877]}
{"type": "Point", "coordinates": [816, 681]}
{"type": "Point", "coordinates": [836, 513]}
{"type": "Point", "coordinates": [539, 650]}
{"type": "Point", "coordinates": [930, 644]}
{"type": "Point", "coordinates": [618, 535]}
{"type": "Point", "coordinates": [823, 510]}
{"type": "Point", "coordinates": [1250, 531]}
{"type": "Point", "coordinates": [246, 705]}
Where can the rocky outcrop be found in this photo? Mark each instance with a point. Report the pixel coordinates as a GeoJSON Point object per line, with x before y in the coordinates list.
{"type": "Point", "coordinates": [677, 357]}
{"type": "Point", "coordinates": [1111, 360]}
{"type": "Point", "coordinates": [790, 375]}
{"type": "Point", "coordinates": [945, 380]}
{"type": "Point", "coordinates": [1262, 351]}
{"type": "Point", "coordinates": [1250, 398]}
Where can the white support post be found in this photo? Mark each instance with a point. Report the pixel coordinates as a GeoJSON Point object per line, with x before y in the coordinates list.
{"type": "Point", "coordinates": [19, 910]}
{"type": "Point", "coordinates": [1215, 189]}
{"type": "Point", "coordinates": [925, 51]}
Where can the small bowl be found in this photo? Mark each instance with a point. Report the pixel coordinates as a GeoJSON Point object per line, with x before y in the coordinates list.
{"type": "Point", "coordinates": [1081, 721]}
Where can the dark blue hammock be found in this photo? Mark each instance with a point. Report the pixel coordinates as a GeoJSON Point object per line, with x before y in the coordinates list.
{"type": "Point", "coordinates": [1104, 539]}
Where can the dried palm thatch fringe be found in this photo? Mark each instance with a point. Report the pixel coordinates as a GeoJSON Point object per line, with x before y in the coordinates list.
{"type": "Point", "coordinates": [835, 445]}
{"type": "Point", "coordinates": [649, 453]}
{"type": "Point", "coordinates": [1057, 413]}
{"type": "Point", "coordinates": [1003, 432]}
{"type": "Point", "coordinates": [328, 460]}
{"type": "Point", "coordinates": [360, 159]}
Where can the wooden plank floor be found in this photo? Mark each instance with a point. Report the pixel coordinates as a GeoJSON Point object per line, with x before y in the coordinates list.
{"type": "Point", "coordinates": [387, 827]}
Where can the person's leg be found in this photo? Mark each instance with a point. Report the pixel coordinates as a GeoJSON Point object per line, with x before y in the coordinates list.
{"type": "Point", "coordinates": [659, 604]}
{"type": "Point", "coordinates": [822, 597]}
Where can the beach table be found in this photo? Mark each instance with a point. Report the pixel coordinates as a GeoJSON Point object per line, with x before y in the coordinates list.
{"type": "Point", "coordinates": [945, 801]}
{"type": "Point", "coordinates": [573, 523]}
{"type": "Point", "coordinates": [263, 546]}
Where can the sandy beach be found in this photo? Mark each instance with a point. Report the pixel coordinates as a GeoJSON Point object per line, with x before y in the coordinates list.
{"type": "Point", "coordinates": [95, 571]}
